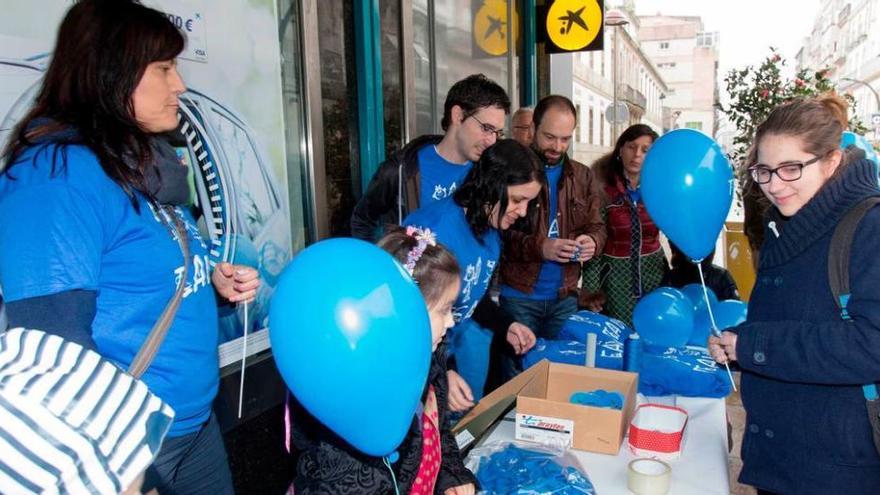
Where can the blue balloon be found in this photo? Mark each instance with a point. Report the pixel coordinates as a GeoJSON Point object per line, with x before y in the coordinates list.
{"type": "Point", "coordinates": [351, 337]}
{"type": "Point", "coordinates": [694, 293]}
{"type": "Point", "coordinates": [729, 313]}
{"type": "Point", "coordinates": [849, 138]}
{"type": "Point", "coordinates": [664, 318]}
{"type": "Point", "coordinates": [687, 185]}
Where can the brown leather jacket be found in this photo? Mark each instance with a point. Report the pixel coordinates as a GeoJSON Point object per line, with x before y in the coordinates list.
{"type": "Point", "coordinates": [578, 212]}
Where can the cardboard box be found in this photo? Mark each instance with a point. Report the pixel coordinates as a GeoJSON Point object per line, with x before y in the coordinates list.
{"type": "Point", "coordinates": [542, 395]}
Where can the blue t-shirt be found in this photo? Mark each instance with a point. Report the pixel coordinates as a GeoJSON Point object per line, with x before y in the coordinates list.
{"type": "Point", "coordinates": [477, 261]}
{"type": "Point", "coordinates": [635, 195]}
{"type": "Point", "coordinates": [550, 277]}
{"type": "Point", "coordinates": [439, 178]}
{"type": "Point", "coordinates": [76, 229]}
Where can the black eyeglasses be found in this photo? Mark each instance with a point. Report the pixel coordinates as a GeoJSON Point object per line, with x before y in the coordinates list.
{"type": "Point", "coordinates": [489, 129]}
{"type": "Point", "coordinates": [786, 171]}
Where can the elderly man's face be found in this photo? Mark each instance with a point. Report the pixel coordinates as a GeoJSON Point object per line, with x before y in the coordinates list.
{"type": "Point", "coordinates": [523, 128]}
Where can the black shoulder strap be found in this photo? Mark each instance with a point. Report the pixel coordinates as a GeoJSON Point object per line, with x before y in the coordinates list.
{"type": "Point", "coordinates": [839, 252]}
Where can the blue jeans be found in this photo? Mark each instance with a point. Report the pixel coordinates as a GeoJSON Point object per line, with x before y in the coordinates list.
{"type": "Point", "coordinates": [192, 464]}
{"type": "Point", "coordinates": [545, 318]}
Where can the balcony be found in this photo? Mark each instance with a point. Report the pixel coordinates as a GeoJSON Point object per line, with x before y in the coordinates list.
{"type": "Point", "coordinates": [591, 78]}
{"type": "Point", "coordinates": [627, 93]}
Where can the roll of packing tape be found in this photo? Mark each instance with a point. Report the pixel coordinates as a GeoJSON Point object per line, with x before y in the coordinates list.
{"type": "Point", "coordinates": [648, 477]}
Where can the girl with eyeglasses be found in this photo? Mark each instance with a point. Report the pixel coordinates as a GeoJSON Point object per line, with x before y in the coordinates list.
{"type": "Point", "coordinates": [803, 364]}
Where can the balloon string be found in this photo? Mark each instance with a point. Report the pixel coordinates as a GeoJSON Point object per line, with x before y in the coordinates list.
{"type": "Point", "coordinates": [243, 357]}
{"type": "Point", "coordinates": [393, 478]}
{"type": "Point", "coordinates": [715, 331]}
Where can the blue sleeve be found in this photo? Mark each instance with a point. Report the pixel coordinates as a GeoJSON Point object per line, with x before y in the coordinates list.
{"type": "Point", "coordinates": [825, 352]}
{"type": "Point", "coordinates": [51, 239]}
{"type": "Point", "coordinates": [42, 313]}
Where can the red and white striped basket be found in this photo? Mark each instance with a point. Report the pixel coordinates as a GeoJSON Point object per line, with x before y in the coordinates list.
{"type": "Point", "coordinates": [657, 431]}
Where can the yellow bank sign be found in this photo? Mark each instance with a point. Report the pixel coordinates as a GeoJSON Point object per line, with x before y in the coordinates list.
{"type": "Point", "coordinates": [572, 25]}
{"type": "Point", "coordinates": [491, 28]}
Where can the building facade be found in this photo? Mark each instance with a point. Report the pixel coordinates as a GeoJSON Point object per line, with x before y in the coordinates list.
{"type": "Point", "coordinates": [686, 57]}
{"type": "Point", "coordinates": [845, 40]}
{"type": "Point", "coordinates": [588, 79]}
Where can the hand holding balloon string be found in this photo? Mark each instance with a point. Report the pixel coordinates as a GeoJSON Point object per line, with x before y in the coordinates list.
{"type": "Point", "coordinates": [714, 327]}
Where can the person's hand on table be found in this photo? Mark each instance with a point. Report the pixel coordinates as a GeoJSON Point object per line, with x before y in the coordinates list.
{"type": "Point", "coordinates": [520, 337]}
{"type": "Point", "coordinates": [460, 397]}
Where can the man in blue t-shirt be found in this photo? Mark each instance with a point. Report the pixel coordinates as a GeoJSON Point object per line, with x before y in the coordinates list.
{"type": "Point", "coordinates": [540, 270]}
{"type": "Point", "coordinates": [431, 168]}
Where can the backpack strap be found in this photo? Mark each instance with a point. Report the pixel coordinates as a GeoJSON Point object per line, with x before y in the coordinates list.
{"type": "Point", "coordinates": [839, 252]}
{"type": "Point", "coordinates": [150, 347]}
{"type": "Point", "coordinates": [838, 266]}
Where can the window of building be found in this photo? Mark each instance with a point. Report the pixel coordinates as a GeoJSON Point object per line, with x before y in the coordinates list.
{"type": "Point", "coordinates": [664, 45]}
{"type": "Point", "coordinates": [666, 65]}
{"type": "Point", "coordinates": [694, 125]}
{"type": "Point", "coordinates": [706, 39]}
{"type": "Point", "coordinates": [577, 126]}
{"type": "Point", "coordinates": [601, 128]}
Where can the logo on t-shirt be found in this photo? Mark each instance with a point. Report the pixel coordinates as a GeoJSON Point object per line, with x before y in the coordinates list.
{"type": "Point", "coordinates": [490, 269]}
{"type": "Point", "coordinates": [441, 192]}
{"type": "Point", "coordinates": [471, 278]}
{"type": "Point", "coordinates": [554, 229]}
{"type": "Point", "coordinates": [201, 264]}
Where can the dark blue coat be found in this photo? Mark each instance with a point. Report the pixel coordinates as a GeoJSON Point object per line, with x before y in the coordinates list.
{"type": "Point", "coordinates": [807, 429]}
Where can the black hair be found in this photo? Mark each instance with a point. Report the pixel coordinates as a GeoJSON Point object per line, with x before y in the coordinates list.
{"type": "Point", "coordinates": [552, 101]}
{"type": "Point", "coordinates": [505, 163]}
{"type": "Point", "coordinates": [471, 94]}
{"type": "Point", "coordinates": [609, 167]}
{"type": "Point", "coordinates": [101, 53]}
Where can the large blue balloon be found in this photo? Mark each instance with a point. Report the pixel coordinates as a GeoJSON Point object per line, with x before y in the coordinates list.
{"type": "Point", "coordinates": [729, 313]}
{"type": "Point", "coordinates": [687, 185]}
{"type": "Point", "coordinates": [351, 337]}
{"type": "Point", "coordinates": [664, 318]}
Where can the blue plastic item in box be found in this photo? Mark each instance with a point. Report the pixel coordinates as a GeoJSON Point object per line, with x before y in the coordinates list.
{"type": "Point", "coordinates": [520, 471]}
{"type": "Point", "coordinates": [598, 398]}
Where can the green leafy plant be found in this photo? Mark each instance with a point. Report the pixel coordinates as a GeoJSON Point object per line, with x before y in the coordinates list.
{"type": "Point", "coordinates": [756, 90]}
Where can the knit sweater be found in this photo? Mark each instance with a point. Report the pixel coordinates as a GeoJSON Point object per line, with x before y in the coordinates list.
{"type": "Point", "coordinates": [807, 429]}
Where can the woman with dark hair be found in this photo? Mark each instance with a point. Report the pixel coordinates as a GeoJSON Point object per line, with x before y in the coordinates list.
{"type": "Point", "coordinates": [810, 361]}
{"type": "Point", "coordinates": [95, 238]}
{"type": "Point", "coordinates": [498, 193]}
{"type": "Point", "coordinates": [632, 263]}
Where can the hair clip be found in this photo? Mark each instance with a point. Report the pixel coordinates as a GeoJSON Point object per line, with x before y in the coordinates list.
{"type": "Point", "coordinates": [424, 238]}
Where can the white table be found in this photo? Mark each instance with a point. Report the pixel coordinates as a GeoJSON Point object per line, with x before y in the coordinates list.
{"type": "Point", "coordinates": [701, 469]}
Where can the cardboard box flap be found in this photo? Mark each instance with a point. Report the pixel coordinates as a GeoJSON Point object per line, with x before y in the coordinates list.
{"type": "Point", "coordinates": [494, 405]}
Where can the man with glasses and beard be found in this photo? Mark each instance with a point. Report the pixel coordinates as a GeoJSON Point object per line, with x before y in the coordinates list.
{"type": "Point", "coordinates": [432, 167]}
{"type": "Point", "coordinates": [540, 270]}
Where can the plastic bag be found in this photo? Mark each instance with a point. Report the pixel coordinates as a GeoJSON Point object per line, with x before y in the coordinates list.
{"type": "Point", "coordinates": [527, 469]}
